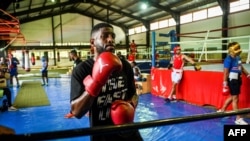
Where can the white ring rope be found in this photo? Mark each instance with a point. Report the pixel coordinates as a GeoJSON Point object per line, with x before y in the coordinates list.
{"type": "Point", "coordinates": [211, 40]}
{"type": "Point", "coordinates": [207, 41]}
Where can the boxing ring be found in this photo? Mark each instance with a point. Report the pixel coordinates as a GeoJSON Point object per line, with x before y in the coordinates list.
{"type": "Point", "coordinates": [201, 88]}
{"type": "Point", "coordinates": [156, 120]}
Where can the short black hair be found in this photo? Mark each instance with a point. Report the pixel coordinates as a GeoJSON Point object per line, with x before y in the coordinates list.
{"type": "Point", "coordinates": [73, 51]}
{"type": "Point", "coordinates": [134, 63]}
{"type": "Point", "coordinates": [98, 26]}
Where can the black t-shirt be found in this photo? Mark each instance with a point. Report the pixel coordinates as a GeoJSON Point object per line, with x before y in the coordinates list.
{"type": "Point", "coordinates": [77, 61]}
{"type": "Point", "coordinates": [119, 86]}
{"type": "Point", "coordinates": [14, 62]}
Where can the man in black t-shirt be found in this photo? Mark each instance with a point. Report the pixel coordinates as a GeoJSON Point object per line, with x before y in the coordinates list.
{"type": "Point", "coordinates": [73, 56]}
{"type": "Point", "coordinates": [102, 85]}
{"type": "Point", "coordinates": [77, 60]}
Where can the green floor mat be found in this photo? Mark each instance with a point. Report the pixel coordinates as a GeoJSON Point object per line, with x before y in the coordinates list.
{"type": "Point", "coordinates": [31, 94]}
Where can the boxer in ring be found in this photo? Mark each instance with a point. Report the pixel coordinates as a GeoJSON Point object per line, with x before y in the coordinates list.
{"type": "Point", "coordinates": [177, 63]}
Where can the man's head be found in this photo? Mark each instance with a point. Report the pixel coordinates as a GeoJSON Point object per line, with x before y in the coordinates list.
{"type": "Point", "coordinates": [234, 49]}
{"type": "Point", "coordinates": [177, 50]}
{"type": "Point", "coordinates": [103, 38]}
{"type": "Point", "coordinates": [10, 55]}
{"type": "Point", "coordinates": [44, 59]}
{"type": "Point", "coordinates": [73, 54]}
{"type": "Point", "coordinates": [119, 53]}
{"type": "Point", "coordinates": [133, 64]}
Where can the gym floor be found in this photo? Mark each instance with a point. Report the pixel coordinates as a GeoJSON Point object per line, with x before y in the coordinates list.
{"type": "Point", "coordinates": [51, 118]}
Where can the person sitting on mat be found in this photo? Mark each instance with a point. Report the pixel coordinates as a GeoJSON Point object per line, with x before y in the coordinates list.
{"type": "Point", "coordinates": [232, 81]}
{"type": "Point", "coordinates": [177, 64]}
{"type": "Point", "coordinates": [4, 90]}
{"type": "Point", "coordinates": [44, 71]}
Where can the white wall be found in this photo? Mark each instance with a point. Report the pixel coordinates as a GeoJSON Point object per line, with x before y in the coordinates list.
{"type": "Point", "coordinates": [76, 28]}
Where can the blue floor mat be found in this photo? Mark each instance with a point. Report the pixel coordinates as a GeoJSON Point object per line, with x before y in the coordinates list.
{"type": "Point", "coordinates": [51, 118]}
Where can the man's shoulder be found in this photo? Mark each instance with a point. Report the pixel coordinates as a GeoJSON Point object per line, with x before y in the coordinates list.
{"type": "Point", "coordinates": [78, 61]}
{"type": "Point", "coordinates": [228, 58]}
{"type": "Point", "coordinates": [86, 63]}
{"type": "Point", "coordinates": [125, 62]}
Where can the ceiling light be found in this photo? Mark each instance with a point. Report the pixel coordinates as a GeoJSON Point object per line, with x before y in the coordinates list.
{"type": "Point", "coordinates": [144, 5]}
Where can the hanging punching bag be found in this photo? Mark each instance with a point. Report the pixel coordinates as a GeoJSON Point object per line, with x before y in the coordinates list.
{"type": "Point", "coordinates": [58, 56]}
{"type": "Point", "coordinates": [27, 61]}
{"type": "Point", "coordinates": [33, 60]}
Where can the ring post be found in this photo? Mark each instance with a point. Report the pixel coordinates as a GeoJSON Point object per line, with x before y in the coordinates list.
{"type": "Point", "coordinates": [153, 49]}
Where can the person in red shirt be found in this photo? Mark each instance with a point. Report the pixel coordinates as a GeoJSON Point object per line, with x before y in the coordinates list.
{"type": "Point", "coordinates": [131, 56]}
{"type": "Point", "coordinates": [177, 63]}
{"type": "Point", "coordinates": [133, 46]}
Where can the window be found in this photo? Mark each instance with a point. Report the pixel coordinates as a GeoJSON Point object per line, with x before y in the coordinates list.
{"type": "Point", "coordinates": [154, 26]}
{"type": "Point", "coordinates": [199, 15]}
{"type": "Point", "coordinates": [163, 23]}
{"type": "Point", "coordinates": [172, 22]}
{"type": "Point", "coordinates": [143, 29]}
{"type": "Point", "coordinates": [186, 18]}
{"type": "Point", "coordinates": [131, 31]}
{"type": "Point", "coordinates": [214, 11]}
{"type": "Point", "coordinates": [138, 29]}
{"type": "Point", "coordinates": [239, 5]}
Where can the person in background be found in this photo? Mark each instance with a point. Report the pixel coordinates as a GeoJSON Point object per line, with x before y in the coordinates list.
{"type": "Point", "coordinates": [12, 66]}
{"type": "Point", "coordinates": [6, 91]}
{"type": "Point", "coordinates": [73, 56]}
{"type": "Point", "coordinates": [137, 71]}
{"type": "Point", "coordinates": [102, 85]}
{"type": "Point", "coordinates": [119, 54]}
{"type": "Point", "coordinates": [3, 62]}
{"type": "Point", "coordinates": [232, 81]}
{"type": "Point", "coordinates": [177, 63]}
{"type": "Point", "coordinates": [133, 46]}
{"type": "Point", "coordinates": [131, 56]}
{"type": "Point", "coordinates": [4, 65]}
{"type": "Point", "coordinates": [44, 71]}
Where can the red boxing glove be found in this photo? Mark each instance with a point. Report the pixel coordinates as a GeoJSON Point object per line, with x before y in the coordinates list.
{"type": "Point", "coordinates": [122, 112]}
{"type": "Point", "coordinates": [225, 89]}
{"type": "Point", "coordinates": [104, 66]}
